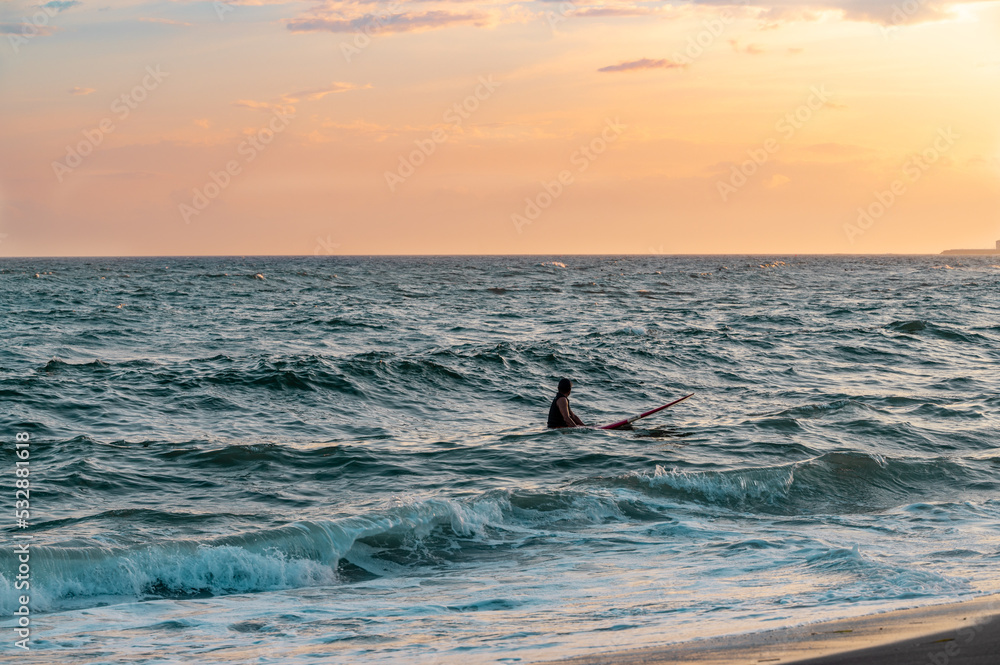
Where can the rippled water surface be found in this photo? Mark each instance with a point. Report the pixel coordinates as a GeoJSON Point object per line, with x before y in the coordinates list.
{"type": "Point", "coordinates": [344, 459]}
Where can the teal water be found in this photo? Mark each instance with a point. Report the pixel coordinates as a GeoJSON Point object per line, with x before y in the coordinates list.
{"type": "Point", "coordinates": [344, 459]}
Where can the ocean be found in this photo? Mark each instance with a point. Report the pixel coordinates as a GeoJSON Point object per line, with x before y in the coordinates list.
{"type": "Point", "coordinates": [345, 459]}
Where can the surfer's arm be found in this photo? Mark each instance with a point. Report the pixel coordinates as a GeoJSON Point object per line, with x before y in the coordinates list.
{"type": "Point", "coordinates": [567, 415]}
{"type": "Point", "coordinates": [576, 419]}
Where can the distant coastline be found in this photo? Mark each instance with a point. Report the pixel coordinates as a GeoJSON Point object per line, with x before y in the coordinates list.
{"type": "Point", "coordinates": [995, 250]}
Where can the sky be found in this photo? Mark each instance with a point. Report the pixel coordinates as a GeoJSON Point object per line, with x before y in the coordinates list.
{"type": "Point", "coordinates": [134, 127]}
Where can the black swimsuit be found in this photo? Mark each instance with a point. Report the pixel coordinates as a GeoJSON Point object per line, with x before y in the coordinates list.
{"type": "Point", "coordinates": [555, 415]}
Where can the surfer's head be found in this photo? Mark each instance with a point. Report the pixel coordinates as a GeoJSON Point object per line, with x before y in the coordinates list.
{"type": "Point", "coordinates": [565, 386]}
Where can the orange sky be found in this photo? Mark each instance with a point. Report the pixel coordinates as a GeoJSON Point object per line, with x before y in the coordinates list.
{"type": "Point", "coordinates": [436, 127]}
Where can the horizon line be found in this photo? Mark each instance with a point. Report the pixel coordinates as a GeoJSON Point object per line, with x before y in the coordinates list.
{"type": "Point", "coordinates": [371, 255]}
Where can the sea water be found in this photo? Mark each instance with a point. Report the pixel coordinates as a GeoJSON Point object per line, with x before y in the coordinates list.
{"type": "Point", "coordinates": [332, 459]}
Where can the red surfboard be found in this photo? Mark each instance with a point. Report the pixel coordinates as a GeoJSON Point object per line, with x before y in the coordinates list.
{"type": "Point", "coordinates": [629, 421]}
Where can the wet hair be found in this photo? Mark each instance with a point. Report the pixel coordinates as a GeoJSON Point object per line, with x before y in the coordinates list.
{"type": "Point", "coordinates": [565, 385]}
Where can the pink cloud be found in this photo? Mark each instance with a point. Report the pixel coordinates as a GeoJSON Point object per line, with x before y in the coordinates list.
{"type": "Point", "coordinates": [644, 63]}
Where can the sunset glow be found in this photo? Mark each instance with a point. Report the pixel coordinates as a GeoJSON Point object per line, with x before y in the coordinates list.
{"type": "Point", "coordinates": [153, 128]}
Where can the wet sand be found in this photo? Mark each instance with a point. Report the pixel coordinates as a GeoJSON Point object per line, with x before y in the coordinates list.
{"type": "Point", "coordinates": [966, 633]}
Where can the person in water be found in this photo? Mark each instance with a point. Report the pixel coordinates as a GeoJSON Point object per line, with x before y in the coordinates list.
{"type": "Point", "coordinates": [560, 415]}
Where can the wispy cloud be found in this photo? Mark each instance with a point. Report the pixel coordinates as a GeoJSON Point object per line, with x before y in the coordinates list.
{"type": "Point", "coordinates": [394, 23]}
{"type": "Point", "coordinates": [165, 21]}
{"type": "Point", "coordinates": [60, 5]}
{"type": "Point", "coordinates": [634, 10]}
{"type": "Point", "coordinates": [26, 29]}
{"type": "Point", "coordinates": [352, 16]}
{"type": "Point", "coordinates": [288, 99]}
{"type": "Point", "coordinates": [77, 90]}
{"type": "Point", "coordinates": [837, 149]}
{"type": "Point", "coordinates": [644, 63]}
{"type": "Point", "coordinates": [885, 12]}
{"type": "Point", "coordinates": [777, 180]}
{"type": "Point", "coordinates": [264, 106]}
{"type": "Point", "coordinates": [749, 49]}
{"type": "Point", "coordinates": [319, 93]}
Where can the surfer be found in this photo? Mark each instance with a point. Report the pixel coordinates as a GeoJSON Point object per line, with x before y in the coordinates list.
{"type": "Point", "coordinates": [560, 415]}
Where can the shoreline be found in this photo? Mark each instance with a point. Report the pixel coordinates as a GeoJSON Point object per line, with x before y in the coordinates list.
{"type": "Point", "coordinates": [962, 633]}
